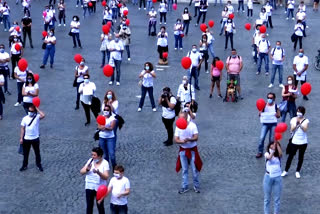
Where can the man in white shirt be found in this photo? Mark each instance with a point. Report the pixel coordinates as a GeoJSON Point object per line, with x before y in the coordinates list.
{"type": "Point", "coordinates": [185, 92]}
{"type": "Point", "coordinates": [116, 48]}
{"type": "Point", "coordinates": [255, 40]}
{"type": "Point", "coordinates": [277, 55]}
{"type": "Point", "coordinates": [196, 60]}
{"type": "Point", "coordinates": [263, 49]}
{"type": "Point", "coordinates": [300, 66]}
{"type": "Point", "coordinates": [4, 68]}
{"type": "Point", "coordinates": [269, 9]}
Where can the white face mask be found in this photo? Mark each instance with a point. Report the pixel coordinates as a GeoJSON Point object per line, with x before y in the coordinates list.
{"type": "Point", "coordinates": [96, 160]}
{"type": "Point", "coordinates": [271, 151]}
{"type": "Point", "coordinates": [116, 175]}
{"type": "Point", "coordinates": [194, 50]}
{"type": "Point", "coordinates": [86, 80]}
{"type": "Point", "coordinates": [109, 96]}
{"type": "Point", "coordinates": [289, 82]}
{"type": "Point", "coordinates": [75, 19]}
{"type": "Point", "coordinates": [299, 114]}
{"type": "Point", "coordinates": [106, 113]}
{"type": "Point", "coordinates": [184, 82]}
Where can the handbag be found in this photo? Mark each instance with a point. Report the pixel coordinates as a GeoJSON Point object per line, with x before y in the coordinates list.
{"type": "Point", "coordinates": [194, 104]}
{"type": "Point", "coordinates": [289, 146]}
{"type": "Point", "coordinates": [120, 121]}
{"type": "Point", "coordinates": [75, 82]}
{"type": "Point", "coordinates": [103, 46]}
{"type": "Point", "coordinates": [293, 37]}
{"type": "Point", "coordinates": [96, 135]}
{"type": "Point", "coordinates": [283, 106]}
{"type": "Point", "coordinates": [95, 104]}
{"type": "Point", "coordinates": [44, 46]}
{"type": "Point", "coordinates": [70, 33]}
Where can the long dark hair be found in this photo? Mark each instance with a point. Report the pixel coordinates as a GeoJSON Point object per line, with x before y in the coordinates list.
{"type": "Point", "coordinates": [33, 80]}
{"type": "Point", "coordinates": [214, 61]}
{"type": "Point", "coordinates": [276, 152]}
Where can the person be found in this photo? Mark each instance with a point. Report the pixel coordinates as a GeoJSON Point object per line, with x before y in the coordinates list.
{"type": "Point", "coordinates": [4, 68]}
{"type": "Point", "coordinates": [80, 71]}
{"type": "Point", "coordinates": [210, 40]}
{"type": "Point", "coordinates": [162, 44]}
{"type": "Point", "coordinates": [277, 55]}
{"type": "Point", "coordinates": [15, 32]}
{"type": "Point", "coordinates": [144, 4]}
{"type": "Point", "coordinates": [62, 13]}
{"type": "Point", "coordinates": [5, 10]}
{"type": "Point", "coordinates": [215, 3]}
{"type": "Point", "coordinates": [204, 51]}
{"type": "Point", "coordinates": [113, 4]}
{"type": "Point", "coordinates": [81, 3]}
{"type": "Point", "coordinates": [125, 34]}
{"type": "Point", "coordinates": [228, 31]}
{"type": "Point", "coordinates": [234, 66]}
{"type": "Point", "coordinates": [30, 90]}
{"type": "Point", "coordinates": [188, 153]}
{"type": "Point", "coordinates": [115, 47]}
{"type": "Point", "coordinates": [299, 140]}
{"type": "Point", "coordinates": [315, 5]}
{"type": "Point", "coordinates": [289, 94]}
{"type": "Point", "coordinates": [26, 7]}
{"type": "Point", "coordinates": [255, 41]}
{"type": "Point", "coordinates": [15, 52]}
{"type": "Point", "coordinates": [203, 8]}
{"type": "Point", "coordinates": [26, 29]}
{"type": "Point", "coordinates": [298, 31]}
{"type": "Point", "coordinates": [105, 41]}
{"type": "Point", "coordinates": [301, 15]}
{"type": "Point", "coordinates": [87, 90]}
{"type": "Point", "coordinates": [216, 76]}
{"type": "Point", "coordinates": [29, 136]}
{"type": "Point", "coordinates": [249, 9]}
{"type": "Point", "coordinates": [147, 75]}
{"type": "Point", "coordinates": [21, 77]}
{"type": "Point", "coordinates": [2, 98]}
{"type": "Point", "coordinates": [263, 49]}
{"type": "Point", "coordinates": [94, 5]}
{"type": "Point", "coordinates": [186, 93]}
{"type": "Point", "coordinates": [196, 7]}
{"type": "Point", "coordinates": [186, 17]}
{"type": "Point", "coordinates": [97, 173]}
{"type": "Point", "coordinates": [240, 6]}
{"type": "Point", "coordinates": [48, 19]}
{"type": "Point", "coordinates": [163, 9]}
{"type": "Point", "coordinates": [152, 21]}
{"type": "Point", "coordinates": [231, 90]}
{"type": "Point", "coordinates": [149, 5]}
{"type": "Point", "coordinates": [230, 7]}
{"type": "Point", "coordinates": [122, 9]}
{"type": "Point", "coordinates": [290, 6]}
{"type": "Point", "coordinates": [300, 66]}
{"type": "Point", "coordinates": [119, 187]}
{"type": "Point", "coordinates": [268, 7]}
{"type": "Point", "coordinates": [111, 100]}
{"type": "Point", "coordinates": [168, 103]}
{"type": "Point", "coordinates": [86, 8]}
{"type": "Point", "coordinates": [178, 31]}
{"type": "Point", "coordinates": [50, 41]}
{"type": "Point", "coordinates": [75, 32]}
{"type": "Point", "coordinates": [272, 181]}
{"type": "Point", "coordinates": [196, 60]}
{"type": "Point", "coordinates": [268, 119]}
{"type": "Point", "coordinates": [191, 111]}
{"type": "Point", "coordinates": [107, 15]}
{"type": "Point", "coordinates": [225, 15]}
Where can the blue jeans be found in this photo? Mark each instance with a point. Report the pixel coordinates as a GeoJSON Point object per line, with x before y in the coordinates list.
{"type": "Point", "coordinates": [135, 2]}
{"type": "Point", "coordinates": [240, 4]}
{"type": "Point", "coordinates": [144, 91]}
{"type": "Point", "coordinates": [117, 64]}
{"type": "Point", "coordinates": [185, 166]}
{"type": "Point", "coordinates": [215, 2]}
{"type": "Point", "coordinates": [170, 2]}
{"type": "Point", "coordinates": [264, 130]}
{"type": "Point", "coordinates": [104, 54]}
{"type": "Point", "coordinates": [274, 70]}
{"type": "Point", "coordinates": [265, 57]}
{"type": "Point", "coordinates": [290, 11]}
{"type": "Point", "coordinates": [19, 89]}
{"type": "Point", "coordinates": [85, 11]}
{"type": "Point", "coordinates": [272, 185]}
{"type": "Point", "coordinates": [108, 145]}
{"type": "Point", "coordinates": [178, 41]}
{"type": "Point", "coordinates": [149, 5]}
{"type": "Point", "coordinates": [292, 109]}
{"type": "Point", "coordinates": [114, 13]}
{"type": "Point", "coordinates": [118, 209]}
{"type": "Point", "coordinates": [6, 21]}
{"type": "Point", "coordinates": [75, 38]}
{"type": "Point", "coordinates": [81, 2]}
{"type": "Point", "coordinates": [186, 26]}
{"type": "Point", "coordinates": [223, 23]}
{"type": "Point", "coordinates": [49, 51]}
{"type": "Point", "coordinates": [127, 47]}
{"type": "Point", "coordinates": [195, 74]}
{"type": "Point", "coordinates": [210, 48]}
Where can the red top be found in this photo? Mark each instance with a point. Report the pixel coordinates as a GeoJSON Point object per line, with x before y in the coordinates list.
{"type": "Point", "coordinates": [197, 160]}
{"type": "Point", "coordinates": [286, 90]}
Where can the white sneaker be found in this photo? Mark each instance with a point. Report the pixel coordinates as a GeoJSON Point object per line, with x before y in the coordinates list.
{"type": "Point", "coordinates": [129, 59]}
{"type": "Point", "coordinates": [118, 83]}
{"type": "Point", "coordinates": [139, 8]}
{"type": "Point", "coordinates": [281, 86]}
{"type": "Point", "coordinates": [207, 71]}
{"type": "Point", "coordinates": [181, 49]}
{"type": "Point", "coordinates": [165, 23]}
{"type": "Point", "coordinates": [270, 86]}
{"type": "Point", "coordinates": [154, 109]}
{"type": "Point", "coordinates": [287, 18]}
{"type": "Point", "coordinates": [77, 6]}
{"type": "Point", "coordinates": [160, 23]}
{"type": "Point", "coordinates": [59, 25]}
{"type": "Point", "coordinates": [284, 173]}
{"type": "Point", "coordinates": [139, 109]}
{"type": "Point", "coordinates": [110, 83]}
{"type": "Point", "coordinates": [64, 25]}
{"type": "Point", "coordinates": [298, 175]}
{"type": "Point", "coordinates": [307, 26]}
{"type": "Point", "coordinates": [292, 18]}
{"type": "Point", "coordinates": [17, 104]}
{"type": "Point", "coordinates": [144, 8]}
{"type": "Point", "coordinates": [175, 49]}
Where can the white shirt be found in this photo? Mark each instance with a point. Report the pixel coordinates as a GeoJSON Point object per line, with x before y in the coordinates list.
{"type": "Point", "coordinates": [107, 133]}
{"type": "Point", "coordinates": [185, 94]}
{"type": "Point", "coordinates": [115, 106]}
{"type": "Point", "coordinates": [118, 46]}
{"type": "Point", "coordinates": [273, 166]}
{"type": "Point", "coordinates": [187, 133]}
{"type": "Point", "coordinates": [230, 27]}
{"type": "Point", "coordinates": [291, 4]}
{"type": "Point", "coordinates": [13, 31]}
{"type": "Point", "coordinates": [13, 48]}
{"type": "Point", "coordinates": [81, 72]}
{"type": "Point", "coordinates": [147, 79]}
{"type": "Point", "coordinates": [298, 29]}
{"type": "Point", "coordinates": [268, 9]}
{"type": "Point", "coordinates": [5, 10]}
{"type": "Point", "coordinates": [178, 29]}
{"type": "Point", "coordinates": [230, 8]}
{"type": "Point", "coordinates": [75, 24]}
{"type": "Point", "coordinates": [20, 74]}
{"type": "Point", "coordinates": [49, 17]}
{"type": "Point", "coordinates": [50, 39]}
{"type": "Point", "coordinates": [263, 16]}
{"type": "Point", "coordinates": [119, 186]}
{"type": "Point", "coordinates": [107, 14]}
{"type": "Point", "coordinates": [301, 15]}
{"type": "Point", "coordinates": [86, 92]}
{"type": "Point", "coordinates": [277, 54]}
{"type": "Point", "coordinates": [3, 56]}
{"type": "Point", "coordinates": [302, 7]}
{"type": "Point", "coordinates": [31, 89]}
{"type": "Point", "coordinates": [153, 15]}
{"type": "Point", "coordinates": [257, 37]}
{"type": "Point", "coordinates": [31, 132]}
{"type": "Point", "coordinates": [163, 42]}
{"type": "Point", "coordinates": [197, 3]}
{"type": "Point", "coordinates": [300, 62]}
{"type": "Point", "coordinates": [93, 180]}
{"type": "Point", "coordinates": [1, 79]}
{"type": "Point", "coordinates": [300, 136]}
{"type": "Point", "coordinates": [250, 4]}
{"type": "Point", "coordinates": [195, 58]}
{"type": "Point", "coordinates": [263, 46]}
{"type": "Point", "coordinates": [162, 8]}
{"type": "Point", "coordinates": [270, 112]}
{"type": "Point", "coordinates": [169, 113]}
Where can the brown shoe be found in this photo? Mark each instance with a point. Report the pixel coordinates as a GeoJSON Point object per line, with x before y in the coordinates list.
{"type": "Point", "coordinates": [259, 155]}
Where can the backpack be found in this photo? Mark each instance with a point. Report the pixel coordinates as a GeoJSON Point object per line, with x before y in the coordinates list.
{"type": "Point", "coordinates": [231, 57]}
{"type": "Point", "coordinates": [275, 105]}
{"type": "Point", "coordinates": [274, 49]}
{"type": "Point", "coordinates": [177, 107]}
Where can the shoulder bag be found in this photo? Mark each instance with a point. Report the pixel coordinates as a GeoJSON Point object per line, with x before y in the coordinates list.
{"type": "Point", "coordinates": [20, 149]}
{"type": "Point", "coordinates": [194, 104]}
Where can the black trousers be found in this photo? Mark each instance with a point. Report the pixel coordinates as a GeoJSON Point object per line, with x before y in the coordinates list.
{"type": "Point", "coordinates": [144, 3]}
{"type": "Point", "coordinates": [87, 111]}
{"type": "Point", "coordinates": [6, 72]}
{"type": "Point", "coordinates": [94, 6]}
{"type": "Point", "coordinates": [203, 18]}
{"type": "Point", "coordinates": [14, 60]}
{"type": "Point", "coordinates": [163, 16]}
{"type": "Point", "coordinates": [270, 21]}
{"type": "Point", "coordinates": [231, 40]}
{"type": "Point", "coordinates": [26, 149]}
{"type": "Point", "coordinates": [300, 42]}
{"type": "Point", "coordinates": [168, 123]}
{"type": "Point", "coordinates": [249, 12]}
{"type": "Point", "coordinates": [26, 32]}
{"type": "Point", "coordinates": [161, 50]}
{"type": "Point", "coordinates": [302, 148]}
{"type": "Point", "coordinates": [90, 196]}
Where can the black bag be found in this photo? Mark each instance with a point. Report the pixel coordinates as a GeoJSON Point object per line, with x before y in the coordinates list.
{"type": "Point", "coordinates": [44, 46]}
{"type": "Point", "coordinates": [70, 34]}
{"type": "Point", "coordinates": [153, 34]}
{"type": "Point", "coordinates": [75, 82]}
{"type": "Point", "coordinates": [177, 107]}
{"type": "Point", "coordinates": [95, 104]}
{"type": "Point", "coordinates": [96, 135]}
{"type": "Point", "coordinates": [194, 104]}
{"type": "Point", "coordinates": [120, 121]}
{"type": "Point", "coordinates": [293, 37]}
{"type": "Point", "coordinates": [289, 146]}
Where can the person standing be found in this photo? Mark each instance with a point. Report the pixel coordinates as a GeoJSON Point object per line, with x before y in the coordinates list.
{"type": "Point", "coordinates": [16, 53]}
{"type": "Point", "coordinates": [240, 6]}
{"type": "Point", "coordinates": [144, 4]}
{"type": "Point", "coordinates": [147, 75]}
{"type": "Point", "coordinates": [234, 66]}
{"type": "Point", "coordinates": [203, 11]}
{"type": "Point", "coordinates": [216, 76]}
{"type": "Point", "coordinates": [263, 49]}
{"type": "Point", "coordinates": [301, 15]}
{"type": "Point", "coordinates": [290, 6]}
{"type": "Point", "coordinates": [75, 31]}
{"type": "Point", "coordinates": [249, 9]}
{"type": "Point", "coordinates": [196, 60]}
{"type": "Point", "coordinates": [97, 173]}
{"type": "Point", "coordinates": [277, 55]}
{"type": "Point", "coordinates": [204, 51]}
{"type": "Point", "coordinates": [50, 41]}
{"type": "Point", "coordinates": [105, 40]}
{"type": "Point", "coordinates": [2, 98]}
{"type": "Point", "coordinates": [268, 119]}
{"type": "Point", "coordinates": [299, 140]}
{"type": "Point", "coordinates": [298, 31]}
{"type": "Point", "coordinates": [188, 153]}
{"type": "Point", "coordinates": [107, 15]}
{"type": "Point", "coordinates": [5, 10]}
{"type": "Point", "coordinates": [186, 93]}
{"type": "Point", "coordinates": [255, 40]}
{"type": "Point", "coordinates": [269, 10]}
{"type": "Point", "coordinates": [29, 90]}
{"type": "Point", "coordinates": [264, 16]}
{"type": "Point", "coordinates": [4, 68]}
{"type": "Point", "coordinates": [116, 48]}
{"type": "Point", "coordinates": [210, 40]}
{"type": "Point", "coordinates": [48, 19]}
{"type": "Point", "coordinates": [168, 103]}
{"type": "Point", "coordinates": [224, 15]}
{"type": "Point", "coordinates": [228, 31]}
{"type": "Point", "coordinates": [272, 181]}
{"type": "Point", "coordinates": [196, 7]}
{"type": "Point", "coordinates": [315, 5]}
{"type": "Point", "coordinates": [152, 21]}
{"type": "Point", "coordinates": [186, 17]}
{"type": "Point", "coordinates": [289, 94]}
{"type": "Point", "coordinates": [163, 9]}
{"type": "Point", "coordinates": [29, 136]}
{"type": "Point", "coordinates": [162, 44]}
{"type": "Point", "coordinates": [80, 71]}
{"type": "Point", "coordinates": [62, 13]}
{"type": "Point", "coordinates": [26, 29]}
{"type": "Point", "coordinates": [300, 66]}
{"type": "Point", "coordinates": [125, 34]}
{"type": "Point", "coordinates": [21, 77]}
{"type": "Point", "coordinates": [178, 31]}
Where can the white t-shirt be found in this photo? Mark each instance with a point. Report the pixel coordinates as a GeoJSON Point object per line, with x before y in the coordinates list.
{"type": "Point", "coordinates": [119, 186]}
{"type": "Point", "coordinates": [278, 54]}
{"type": "Point", "coordinates": [13, 48]}
{"type": "Point", "coordinates": [118, 46]}
{"type": "Point", "coordinates": [187, 133]}
{"type": "Point", "coordinates": [1, 79]}
{"type": "Point", "coordinates": [86, 92]}
{"type": "Point", "coordinates": [257, 37]}
{"type": "Point", "coordinates": [268, 9]}
{"type": "Point", "coordinates": [5, 10]}
{"type": "Point", "coordinates": [32, 131]}
{"type": "Point", "coordinates": [230, 27]}
{"type": "Point", "coordinates": [300, 136]}
{"type": "Point", "coordinates": [115, 106]}
{"type": "Point", "coordinates": [31, 89]}
{"type": "Point", "coordinates": [185, 94]}
{"type": "Point", "coordinates": [107, 14]}
{"type": "Point", "coordinates": [250, 4]}
{"type": "Point", "coordinates": [169, 113]}
{"type": "Point", "coordinates": [263, 46]}
{"type": "Point", "coordinates": [3, 56]}
{"type": "Point", "coordinates": [291, 4]}
{"type": "Point", "coordinates": [147, 79]}
{"type": "Point", "coordinates": [298, 29]}
{"type": "Point", "coordinates": [230, 8]}
{"type": "Point", "coordinates": [153, 15]}
{"type": "Point", "coordinates": [75, 24]}
{"type": "Point", "coordinates": [81, 72]}
{"type": "Point", "coordinates": [273, 166]}
{"type": "Point", "coordinates": [93, 180]}
{"type": "Point", "coordinates": [107, 133]}
{"type": "Point", "coordinates": [195, 58]}
{"type": "Point", "coordinates": [301, 15]}
{"type": "Point", "coordinates": [300, 62]}
{"type": "Point", "coordinates": [263, 16]}
{"type": "Point", "coordinates": [162, 8]}
{"type": "Point", "coordinates": [50, 39]}
{"type": "Point", "coordinates": [49, 16]}
{"type": "Point", "coordinates": [20, 74]}
{"type": "Point", "coordinates": [163, 42]}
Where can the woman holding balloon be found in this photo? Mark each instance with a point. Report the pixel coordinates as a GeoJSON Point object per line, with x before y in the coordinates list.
{"type": "Point", "coordinates": [50, 49]}
{"type": "Point", "coordinates": [216, 75]}
{"type": "Point", "coordinates": [29, 91]}
{"type": "Point", "coordinates": [80, 71]}
{"type": "Point", "coordinates": [16, 52]}
{"type": "Point", "coordinates": [289, 95]}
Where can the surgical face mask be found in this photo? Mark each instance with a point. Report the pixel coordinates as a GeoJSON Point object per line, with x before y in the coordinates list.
{"type": "Point", "coordinates": [263, 39]}
{"type": "Point", "coordinates": [47, 10]}
{"type": "Point", "coordinates": [184, 82]}
{"type": "Point", "coordinates": [152, 9]}
{"type": "Point", "coordinates": [270, 101]}
{"type": "Point", "coordinates": [233, 55]}
{"type": "Point", "coordinates": [116, 175]}
{"type": "Point", "coordinates": [86, 80]}
{"type": "Point", "coordinates": [15, 39]}
{"type": "Point", "coordinates": [124, 28]}
{"type": "Point", "coordinates": [278, 46]}
{"type": "Point", "coordinates": [116, 39]}
{"type": "Point", "coordinates": [82, 63]}
{"type": "Point", "coordinates": [1, 50]}
{"type": "Point", "coordinates": [229, 21]}
{"type": "Point", "coordinates": [29, 80]}
{"type": "Point", "coordinates": [96, 160]}
{"type": "Point", "coordinates": [289, 82]}
{"type": "Point", "coordinates": [106, 113]}
{"type": "Point", "coordinates": [109, 96]}
{"type": "Point", "coordinates": [51, 34]}
{"type": "Point", "coordinates": [186, 11]}
{"type": "Point", "coordinates": [194, 50]}
{"type": "Point", "coordinates": [147, 67]}
{"type": "Point", "coordinates": [75, 19]}
{"type": "Point", "coordinates": [271, 151]}
{"type": "Point", "coordinates": [301, 54]}
{"type": "Point", "coordinates": [31, 113]}
{"type": "Point", "coordinates": [299, 114]}
{"type": "Point", "coordinates": [204, 40]}
{"type": "Point", "coordinates": [178, 22]}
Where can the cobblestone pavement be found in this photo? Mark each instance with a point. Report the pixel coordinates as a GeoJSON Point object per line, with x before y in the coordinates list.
{"type": "Point", "coordinates": [231, 180]}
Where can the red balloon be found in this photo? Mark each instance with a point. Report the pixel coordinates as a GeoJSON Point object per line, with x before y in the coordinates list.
{"type": "Point", "coordinates": [281, 127]}
{"type": "Point", "coordinates": [104, 3]}
{"type": "Point", "coordinates": [260, 104]}
{"type": "Point", "coordinates": [203, 27]}
{"type": "Point", "coordinates": [101, 192]}
{"type": "Point", "coordinates": [105, 29]}
{"type": "Point", "coordinates": [165, 55]}
{"type": "Point", "coordinates": [90, 4]}
{"type": "Point", "coordinates": [44, 13]}
{"type": "Point", "coordinates": [181, 123]}
{"type": "Point", "coordinates": [263, 29]}
{"type": "Point", "coordinates": [109, 23]}
{"type": "Point", "coordinates": [182, 35]}
{"type": "Point", "coordinates": [101, 120]}
{"type": "Point", "coordinates": [174, 6]}
{"type": "Point", "coordinates": [306, 89]}
{"type": "Point", "coordinates": [125, 12]}
{"type": "Point", "coordinates": [211, 23]}
{"type": "Point", "coordinates": [17, 28]}
{"type": "Point", "coordinates": [44, 33]}
{"type": "Point", "coordinates": [154, 1]}
{"type": "Point", "coordinates": [78, 58]}
{"type": "Point", "coordinates": [277, 136]}
{"type": "Point", "coordinates": [219, 65]}
{"type": "Point", "coordinates": [120, 5]}
{"type": "Point", "coordinates": [108, 70]}
{"type": "Point", "coordinates": [186, 62]}
{"type": "Point", "coordinates": [17, 47]}
{"type": "Point", "coordinates": [127, 22]}
{"type": "Point", "coordinates": [36, 101]}
{"type": "Point", "coordinates": [231, 16]}
{"type": "Point", "coordinates": [247, 26]}
{"type": "Point", "coordinates": [23, 64]}
{"type": "Point", "coordinates": [36, 77]}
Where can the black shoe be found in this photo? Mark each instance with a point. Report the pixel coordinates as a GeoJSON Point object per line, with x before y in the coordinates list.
{"type": "Point", "coordinates": [87, 123]}
{"type": "Point", "coordinates": [198, 88]}
{"type": "Point", "coordinates": [168, 144]}
{"type": "Point", "coordinates": [23, 168]}
{"type": "Point", "coordinates": [42, 66]}
{"type": "Point", "coordinates": [76, 108]}
{"type": "Point", "coordinates": [165, 142]}
{"type": "Point", "coordinates": [210, 96]}
{"type": "Point", "coordinates": [74, 46]}
{"type": "Point", "coordinates": [259, 155]}
{"type": "Point", "coordinates": [40, 168]}
{"type": "Point", "coordinates": [305, 98]}
{"type": "Point", "coordinates": [51, 66]}
{"type": "Point", "coordinates": [31, 46]}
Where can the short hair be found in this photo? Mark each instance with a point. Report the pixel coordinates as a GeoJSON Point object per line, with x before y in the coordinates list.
{"type": "Point", "coordinates": [279, 42]}
{"type": "Point", "coordinates": [301, 109]}
{"type": "Point", "coordinates": [86, 75]}
{"type": "Point", "coordinates": [273, 94]}
{"type": "Point", "coordinates": [233, 49]}
{"type": "Point", "coordinates": [98, 150]}
{"type": "Point", "coordinates": [167, 89]}
{"type": "Point", "coordinates": [119, 168]}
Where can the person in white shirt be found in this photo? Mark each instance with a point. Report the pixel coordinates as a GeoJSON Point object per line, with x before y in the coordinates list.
{"type": "Point", "coordinates": [152, 21]}
{"type": "Point", "coordinates": [144, 4]}
{"type": "Point", "coordinates": [147, 76]}
{"type": "Point", "coordinates": [186, 92]}
{"type": "Point", "coordinates": [5, 10]}
{"type": "Point", "coordinates": [255, 40]}
{"type": "Point", "coordinates": [29, 91]}
{"type": "Point", "coordinates": [4, 68]}
{"type": "Point", "coordinates": [269, 9]}
{"type": "Point", "coordinates": [196, 7]}
{"type": "Point", "coordinates": [301, 15]}
{"type": "Point", "coordinates": [80, 71]}
{"type": "Point", "coordinates": [263, 49]}
{"type": "Point", "coordinates": [16, 52]}
{"type": "Point", "coordinates": [105, 41]}
{"type": "Point", "coordinates": [125, 34]}
{"type": "Point", "coordinates": [249, 8]}
{"type": "Point", "coordinates": [48, 19]}
{"type": "Point", "coordinates": [87, 90]}
{"type": "Point", "coordinates": [186, 17]}
{"type": "Point", "coordinates": [113, 4]}
{"type": "Point", "coordinates": [196, 60]}
{"type": "Point", "coordinates": [300, 66]}
{"type": "Point", "coordinates": [97, 173]}
{"type": "Point", "coordinates": [230, 7]}
{"type": "Point", "coordinates": [162, 43]}
{"type": "Point", "coordinates": [203, 47]}
{"type": "Point", "coordinates": [264, 16]}
{"type": "Point", "coordinates": [50, 41]}
{"type": "Point", "coordinates": [86, 8]}
{"type": "Point", "coordinates": [290, 6]}
{"type": "Point", "coordinates": [298, 34]}
{"type": "Point", "coordinates": [224, 15]}
{"type": "Point", "coordinates": [240, 5]}
{"type": "Point", "coordinates": [29, 136]}
{"type": "Point", "coordinates": [21, 77]}
{"type": "Point", "coordinates": [107, 15]}
{"type": "Point", "coordinates": [202, 11]}
{"type": "Point", "coordinates": [2, 98]}
{"type": "Point", "coordinates": [299, 140]}
{"type": "Point", "coordinates": [163, 8]}
{"type": "Point", "coordinates": [116, 48]}
{"type": "Point", "coordinates": [62, 13]}
{"type": "Point", "coordinates": [75, 31]}
{"type": "Point", "coordinates": [178, 31]}
{"type": "Point", "coordinates": [277, 55]}
{"type": "Point", "coordinates": [229, 28]}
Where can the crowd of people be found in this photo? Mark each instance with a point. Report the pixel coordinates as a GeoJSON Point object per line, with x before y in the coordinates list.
{"type": "Point", "coordinates": [182, 104]}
